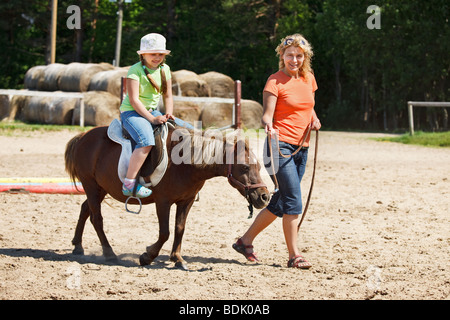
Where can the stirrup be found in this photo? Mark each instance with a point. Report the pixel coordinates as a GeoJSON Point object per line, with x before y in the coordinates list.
{"type": "Point", "coordinates": [131, 211]}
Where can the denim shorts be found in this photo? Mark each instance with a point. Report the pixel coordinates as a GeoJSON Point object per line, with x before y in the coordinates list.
{"type": "Point", "coordinates": [141, 130]}
{"type": "Point", "coordinates": [289, 173]}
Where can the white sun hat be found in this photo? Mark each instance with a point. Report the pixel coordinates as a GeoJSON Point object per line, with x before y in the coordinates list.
{"type": "Point", "coordinates": [153, 43]}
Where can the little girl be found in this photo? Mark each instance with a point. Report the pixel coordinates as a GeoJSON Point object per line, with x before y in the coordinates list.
{"type": "Point", "coordinates": [147, 81]}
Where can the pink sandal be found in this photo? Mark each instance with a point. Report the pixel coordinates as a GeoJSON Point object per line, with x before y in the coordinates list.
{"type": "Point", "coordinates": [240, 247]}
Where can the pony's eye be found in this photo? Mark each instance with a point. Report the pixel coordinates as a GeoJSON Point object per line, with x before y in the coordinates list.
{"type": "Point", "coordinates": [245, 168]}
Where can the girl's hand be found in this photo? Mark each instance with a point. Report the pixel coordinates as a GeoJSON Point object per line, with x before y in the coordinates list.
{"type": "Point", "coordinates": [159, 120]}
{"type": "Point", "coordinates": [169, 116]}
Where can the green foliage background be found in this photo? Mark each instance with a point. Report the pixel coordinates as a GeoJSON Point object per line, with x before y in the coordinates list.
{"type": "Point", "coordinates": [365, 76]}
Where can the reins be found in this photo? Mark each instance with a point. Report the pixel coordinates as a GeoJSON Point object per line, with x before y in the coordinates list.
{"type": "Point", "coordinates": [308, 132]}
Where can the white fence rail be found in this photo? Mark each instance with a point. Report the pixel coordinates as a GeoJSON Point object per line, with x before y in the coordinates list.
{"type": "Point", "coordinates": [412, 104]}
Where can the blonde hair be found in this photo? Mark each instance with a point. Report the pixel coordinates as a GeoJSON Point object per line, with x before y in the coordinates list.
{"type": "Point", "coordinates": [296, 40]}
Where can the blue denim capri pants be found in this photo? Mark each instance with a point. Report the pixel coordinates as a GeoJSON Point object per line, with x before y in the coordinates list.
{"type": "Point", "coordinates": [289, 173]}
{"type": "Point", "coordinates": [141, 130]}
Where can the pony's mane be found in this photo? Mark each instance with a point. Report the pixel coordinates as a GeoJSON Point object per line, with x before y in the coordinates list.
{"type": "Point", "coordinates": [204, 148]}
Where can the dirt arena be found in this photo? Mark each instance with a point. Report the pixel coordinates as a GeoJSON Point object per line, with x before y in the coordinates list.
{"type": "Point", "coordinates": [377, 228]}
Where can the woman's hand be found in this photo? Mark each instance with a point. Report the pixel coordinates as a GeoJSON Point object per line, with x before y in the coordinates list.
{"type": "Point", "coordinates": [268, 127]}
{"type": "Point", "coordinates": [316, 125]}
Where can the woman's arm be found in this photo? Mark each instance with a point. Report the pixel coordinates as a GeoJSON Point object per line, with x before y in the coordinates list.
{"type": "Point", "coordinates": [269, 103]}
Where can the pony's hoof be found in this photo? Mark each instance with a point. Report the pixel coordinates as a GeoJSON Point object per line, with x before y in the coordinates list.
{"type": "Point", "coordinates": [181, 265]}
{"type": "Point", "coordinates": [144, 259]}
{"type": "Point", "coordinates": [78, 251]}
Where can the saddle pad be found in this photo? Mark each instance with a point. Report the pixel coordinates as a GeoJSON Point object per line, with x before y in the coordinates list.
{"type": "Point", "coordinates": [115, 134]}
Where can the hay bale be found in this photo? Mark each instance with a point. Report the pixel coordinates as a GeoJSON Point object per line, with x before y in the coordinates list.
{"type": "Point", "coordinates": [189, 84]}
{"type": "Point", "coordinates": [187, 111]}
{"type": "Point", "coordinates": [109, 81]}
{"type": "Point", "coordinates": [5, 108]}
{"type": "Point", "coordinates": [216, 115]}
{"type": "Point", "coordinates": [33, 77]}
{"type": "Point", "coordinates": [220, 84]}
{"type": "Point", "coordinates": [34, 111]}
{"type": "Point", "coordinates": [251, 114]}
{"type": "Point", "coordinates": [100, 108]}
{"type": "Point", "coordinates": [17, 104]}
{"type": "Point", "coordinates": [49, 110]}
{"type": "Point", "coordinates": [77, 76]}
{"type": "Point", "coordinates": [221, 114]}
{"type": "Point", "coordinates": [49, 80]}
{"type": "Point", "coordinates": [59, 110]}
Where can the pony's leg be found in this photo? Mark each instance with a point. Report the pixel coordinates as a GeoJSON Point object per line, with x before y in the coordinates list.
{"type": "Point", "coordinates": [163, 212]}
{"type": "Point", "coordinates": [95, 198]}
{"type": "Point", "coordinates": [180, 223]}
{"type": "Point", "coordinates": [77, 239]}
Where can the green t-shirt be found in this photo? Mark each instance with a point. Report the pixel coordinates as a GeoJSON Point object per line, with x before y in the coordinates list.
{"type": "Point", "coordinates": [147, 93]}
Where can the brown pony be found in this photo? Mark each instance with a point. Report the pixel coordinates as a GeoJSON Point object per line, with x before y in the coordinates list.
{"type": "Point", "coordinates": [92, 158]}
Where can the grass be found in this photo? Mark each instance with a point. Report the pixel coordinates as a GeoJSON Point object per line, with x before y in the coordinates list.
{"type": "Point", "coordinates": [428, 139]}
{"type": "Point", "coordinates": [9, 128]}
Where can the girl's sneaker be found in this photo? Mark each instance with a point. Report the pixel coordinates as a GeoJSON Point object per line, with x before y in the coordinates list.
{"type": "Point", "coordinates": [141, 191]}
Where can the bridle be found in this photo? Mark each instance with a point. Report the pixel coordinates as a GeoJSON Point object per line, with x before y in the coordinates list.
{"type": "Point", "coordinates": [246, 187]}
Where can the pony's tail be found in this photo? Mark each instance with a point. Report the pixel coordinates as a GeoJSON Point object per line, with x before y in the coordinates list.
{"type": "Point", "coordinates": [69, 158]}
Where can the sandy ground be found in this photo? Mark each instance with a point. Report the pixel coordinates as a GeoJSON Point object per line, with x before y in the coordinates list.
{"type": "Point", "coordinates": [377, 228]}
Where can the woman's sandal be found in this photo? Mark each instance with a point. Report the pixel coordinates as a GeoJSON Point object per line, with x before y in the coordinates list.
{"type": "Point", "coordinates": [240, 247]}
{"type": "Point", "coordinates": [299, 262]}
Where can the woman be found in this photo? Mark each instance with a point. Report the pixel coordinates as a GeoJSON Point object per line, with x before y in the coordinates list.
{"type": "Point", "coordinates": [288, 100]}
{"type": "Point", "coordinates": [147, 81]}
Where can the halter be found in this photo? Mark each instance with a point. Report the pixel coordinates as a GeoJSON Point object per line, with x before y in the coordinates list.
{"type": "Point", "coordinates": [245, 187]}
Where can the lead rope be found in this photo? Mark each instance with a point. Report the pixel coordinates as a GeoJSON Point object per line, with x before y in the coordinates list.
{"type": "Point", "coordinates": [287, 156]}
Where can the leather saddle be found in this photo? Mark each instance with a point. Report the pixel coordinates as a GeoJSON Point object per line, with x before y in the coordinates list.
{"type": "Point", "coordinates": [155, 165]}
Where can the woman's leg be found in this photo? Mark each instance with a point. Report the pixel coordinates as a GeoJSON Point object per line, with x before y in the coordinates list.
{"type": "Point", "coordinates": [290, 224]}
{"type": "Point", "coordinates": [262, 221]}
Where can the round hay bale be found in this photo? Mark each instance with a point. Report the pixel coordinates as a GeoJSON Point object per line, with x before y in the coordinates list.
{"type": "Point", "coordinates": [51, 76]}
{"type": "Point", "coordinates": [187, 111]}
{"type": "Point", "coordinates": [110, 81]}
{"type": "Point", "coordinates": [220, 84]}
{"type": "Point", "coordinates": [49, 110]}
{"type": "Point", "coordinates": [77, 76]}
{"type": "Point", "coordinates": [221, 114]}
{"type": "Point", "coordinates": [5, 108]}
{"type": "Point", "coordinates": [100, 108]}
{"type": "Point", "coordinates": [216, 115]}
{"type": "Point", "coordinates": [17, 104]}
{"type": "Point", "coordinates": [189, 84]}
{"type": "Point", "coordinates": [34, 111]}
{"type": "Point", "coordinates": [59, 110]}
{"type": "Point", "coordinates": [33, 77]}
{"type": "Point", "coordinates": [251, 114]}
